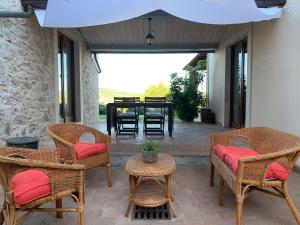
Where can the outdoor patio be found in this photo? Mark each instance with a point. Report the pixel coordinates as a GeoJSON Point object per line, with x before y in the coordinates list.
{"type": "Point", "coordinates": [195, 201]}
{"type": "Point", "coordinates": [189, 139]}
{"type": "Point", "coordinates": [52, 63]}
{"type": "Point", "coordinates": [190, 144]}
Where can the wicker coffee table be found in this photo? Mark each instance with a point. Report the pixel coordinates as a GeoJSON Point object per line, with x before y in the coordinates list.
{"type": "Point", "coordinates": [150, 184]}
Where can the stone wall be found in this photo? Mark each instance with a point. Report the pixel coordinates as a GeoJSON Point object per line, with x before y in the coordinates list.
{"type": "Point", "coordinates": [90, 87]}
{"type": "Point", "coordinates": [26, 78]}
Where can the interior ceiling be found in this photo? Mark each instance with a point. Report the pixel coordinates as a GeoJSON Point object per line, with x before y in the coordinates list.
{"type": "Point", "coordinates": [171, 34]}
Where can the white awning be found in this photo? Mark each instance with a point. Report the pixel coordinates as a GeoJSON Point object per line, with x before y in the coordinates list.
{"type": "Point", "coordinates": [83, 13]}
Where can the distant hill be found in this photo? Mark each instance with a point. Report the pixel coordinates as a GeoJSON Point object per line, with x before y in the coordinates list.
{"type": "Point", "coordinates": [107, 95]}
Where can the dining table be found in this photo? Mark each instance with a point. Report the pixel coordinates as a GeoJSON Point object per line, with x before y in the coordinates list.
{"type": "Point", "coordinates": [111, 112]}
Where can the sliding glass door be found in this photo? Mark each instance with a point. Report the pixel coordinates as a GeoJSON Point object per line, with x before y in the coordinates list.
{"type": "Point", "coordinates": [238, 84]}
{"type": "Point", "coordinates": [66, 79]}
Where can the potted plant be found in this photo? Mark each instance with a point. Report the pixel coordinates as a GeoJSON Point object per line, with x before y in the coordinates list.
{"type": "Point", "coordinates": [149, 151]}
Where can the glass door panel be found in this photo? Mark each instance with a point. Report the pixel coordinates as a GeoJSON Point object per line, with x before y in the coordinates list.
{"type": "Point", "coordinates": [238, 84]}
{"type": "Point", "coordinates": [66, 81]}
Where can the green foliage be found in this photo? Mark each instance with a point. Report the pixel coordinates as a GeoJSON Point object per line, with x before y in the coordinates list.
{"type": "Point", "coordinates": [202, 96]}
{"type": "Point", "coordinates": [149, 146]}
{"type": "Point", "coordinates": [102, 109]}
{"type": "Point", "coordinates": [184, 93]}
{"type": "Point", "coordinates": [107, 95]}
{"type": "Point", "coordinates": [157, 90]}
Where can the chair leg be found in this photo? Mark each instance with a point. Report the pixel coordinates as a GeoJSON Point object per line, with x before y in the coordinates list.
{"type": "Point", "coordinates": [59, 206]}
{"type": "Point", "coordinates": [108, 174]}
{"type": "Point", "coordinates": [12, 220]}
{"type": "Point", "coordinates": [1, 216]}
{"type": "Point", "coordinates": [212, 174]}
{"type": "Point", "coordinates": [221, 194]}
{"type": "Point", "coordinates": [239, 209]}
{"type": "Point", "coordinates": [290, 203]}
{"type": "Point", "coordinates": [80, 206]}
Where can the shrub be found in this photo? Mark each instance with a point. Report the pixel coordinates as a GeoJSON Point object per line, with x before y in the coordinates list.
{"type": "Point", "coordinates": [184, 93]}
{"type": "Point", "coordinates": [102, 109]}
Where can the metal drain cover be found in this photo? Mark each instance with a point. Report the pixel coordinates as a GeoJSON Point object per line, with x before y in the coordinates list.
{"type": "Point", "coordinates": [157, 213]}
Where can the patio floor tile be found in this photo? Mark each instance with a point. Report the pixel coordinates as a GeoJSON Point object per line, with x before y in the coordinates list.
{"type": "Point", "coordinates": [196, 203]}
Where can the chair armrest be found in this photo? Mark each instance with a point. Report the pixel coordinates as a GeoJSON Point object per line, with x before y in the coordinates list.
{"type": "Point", "coordinates": [255, 168]}
{"type": "Point", "coordinates": [33, 154]}
{"type": "Point", "coordinates": [99, 136]}
{"type": "Point", "coordinates": [28, 163]}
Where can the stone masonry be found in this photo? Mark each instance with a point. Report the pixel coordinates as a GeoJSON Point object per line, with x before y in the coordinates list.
{"type": "Point", "coordinates": [27, 78]}
{"type": "Point", "coordinates": [90, 87]}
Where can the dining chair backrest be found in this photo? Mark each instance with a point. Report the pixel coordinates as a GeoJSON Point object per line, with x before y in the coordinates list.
{"type": "Point", "coordinates": [128, 106]}
{"type": "Point", "coordinates": [150, 100]}
{"type": "Point", "coordinates": [127, 99]}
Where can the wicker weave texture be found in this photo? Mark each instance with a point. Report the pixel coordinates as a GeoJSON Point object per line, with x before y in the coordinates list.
{"type": "Point", "coordinates": [165, 165]}
{"type": "Point", "coordinates": [65, 136]}
{"type": "Point", "coordinates": [66, 180]}
{"type": "Point", "coordinates": [274, 146]}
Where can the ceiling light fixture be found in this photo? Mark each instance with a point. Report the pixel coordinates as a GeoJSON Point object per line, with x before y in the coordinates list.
{"type": "Point", "coordinates": [149, 37]}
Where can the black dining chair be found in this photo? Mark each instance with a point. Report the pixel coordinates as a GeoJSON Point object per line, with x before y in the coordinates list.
{"type": "Point", "coordinates": [127, 117]}
{"type": "Point", "coordinates": [154, 115]}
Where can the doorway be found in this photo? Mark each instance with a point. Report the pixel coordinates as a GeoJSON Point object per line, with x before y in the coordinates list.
{"type": "Point", "coordinates": [66, 81]}
{"type": "Point", "coordinates": [239, 58]}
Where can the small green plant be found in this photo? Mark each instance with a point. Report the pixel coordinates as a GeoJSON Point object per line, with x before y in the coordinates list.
{"type": "Point", "coordinates": [149, 146]}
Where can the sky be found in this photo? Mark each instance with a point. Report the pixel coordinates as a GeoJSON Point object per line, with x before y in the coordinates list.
{"type": "Point", "coordinates": [135, 72]}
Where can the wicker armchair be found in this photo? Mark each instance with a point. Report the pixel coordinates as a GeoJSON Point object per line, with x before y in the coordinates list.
{"type": "Point", "coordinates": [273, 146]}
{"type": "Point", "coordinates": [67, 135]}
{"type": "Point", "coordinates": [65, 181]}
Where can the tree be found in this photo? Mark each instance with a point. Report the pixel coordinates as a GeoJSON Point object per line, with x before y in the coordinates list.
{"type": "Point", "coordinates": [184, 93]}
{"type": "Point", "coordinates": [157, 90]}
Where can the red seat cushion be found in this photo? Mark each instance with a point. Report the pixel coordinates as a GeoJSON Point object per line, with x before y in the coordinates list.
{"type": "Point", "coordinates": [232, 154]}
{"type": "Point", "coordinates": [86, 149]}
{"type": "Point", "coordinates": [30, 185]}
{"type": "Point", "coordinates": [221, 150]}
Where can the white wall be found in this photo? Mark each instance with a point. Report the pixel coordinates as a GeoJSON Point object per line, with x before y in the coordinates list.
{"type": "Point", "coordinates": [219, 73]}
{"type": "Point", "coordinates": [276, 72]}
{"type": "Point", "coordinates": [273, 98]}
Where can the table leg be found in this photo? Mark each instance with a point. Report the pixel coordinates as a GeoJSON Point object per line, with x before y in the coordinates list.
{"type": "Point", "coordinates": [170, 120]}
{"type": "Point", "coordinates": [169, 194]}
{"type": "Point", "coordinates": [108, 119]}
{"type": "Point", "coordinates": [171, 180]}
{"type": "Point", "coordinates": [130, 198]}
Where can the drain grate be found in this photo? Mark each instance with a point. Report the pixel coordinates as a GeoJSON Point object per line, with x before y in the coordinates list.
{"type": "Point", "coordinates": [157, 213]}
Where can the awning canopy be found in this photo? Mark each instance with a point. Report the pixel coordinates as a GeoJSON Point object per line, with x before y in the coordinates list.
{"type": "Point", "coordinates": [120, 26]}
{"type": "Point", "coordinates": [78, 13]}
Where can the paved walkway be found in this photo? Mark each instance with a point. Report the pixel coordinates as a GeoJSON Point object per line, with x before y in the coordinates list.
{"type": "Point", "coordinates": [189, 139]}
{"type": "Point", "coordinates": [196, 203]}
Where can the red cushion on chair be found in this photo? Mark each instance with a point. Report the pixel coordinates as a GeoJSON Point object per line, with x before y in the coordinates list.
{"type": "Point", "coordinates": [86, 149]}
{"type": "Point", "coordinates": [221, 150]}
{"type": "Point", "coordinates": [30, 185]}
{"type": "Point", "coordinates": [232, 154]}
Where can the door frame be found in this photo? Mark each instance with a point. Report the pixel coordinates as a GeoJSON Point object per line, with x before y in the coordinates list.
{"type": "Point", "coordinates": [75, 36]}
{"type": "Point", "coordinates": [247, 32]}
{"type": "Point", "coordinates": [61, 38]}
{"type": "Point", "coordinates": [243, 109]}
